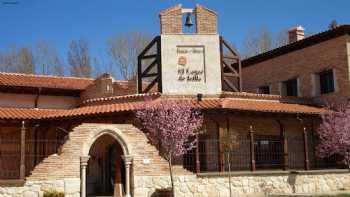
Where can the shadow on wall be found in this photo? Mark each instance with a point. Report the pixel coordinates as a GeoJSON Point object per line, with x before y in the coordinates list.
{"type": "Point", "coordinates": [162, 193]}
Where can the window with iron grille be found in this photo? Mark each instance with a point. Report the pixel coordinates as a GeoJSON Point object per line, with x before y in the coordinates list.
{"type": "Point", "coordinates": [326, 82]}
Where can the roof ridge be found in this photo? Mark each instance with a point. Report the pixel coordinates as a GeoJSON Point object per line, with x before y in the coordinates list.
{"type": "Point", "coordinates": [47, 76]}
{"type": "Point", "coordinates": [57, 76]}
{"type": "Point", "coordinates": [120, 97]}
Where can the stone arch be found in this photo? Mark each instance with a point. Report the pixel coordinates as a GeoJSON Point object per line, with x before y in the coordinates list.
{"type": "Point", "coordinates": [94, 135]}
{"type": "Point", "coordinates": [113, 132]}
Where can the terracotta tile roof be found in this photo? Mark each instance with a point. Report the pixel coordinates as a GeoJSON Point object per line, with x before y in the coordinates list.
{"type": "Point", "coordinates": [97, 109]}
{"type": "Point", "coordinates": [271, 106]}
{"type": "Point", "coordinates": [283, 99]}
{"type": "Point", "coordinates": [25, 114]}
{"type": "Point", "coordinates": [29, 80]}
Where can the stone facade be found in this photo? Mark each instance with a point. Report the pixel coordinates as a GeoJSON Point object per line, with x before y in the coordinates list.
{"type": "Point", "coordinates": [205, 185]}
{"type": "Point", "coordinates": [242, 185]}
{"type": "Point", "coordinates": [70, 187]}
{"type": "Point", "coordinates": [303, 64]}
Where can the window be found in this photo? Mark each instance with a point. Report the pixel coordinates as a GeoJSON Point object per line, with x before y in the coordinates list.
{"type": "Point", "coordinates": [264, 90]}
{"type": "Point", "coordinates": [326, 82]}
{"type": "Point", "coordinates": [290, 87]}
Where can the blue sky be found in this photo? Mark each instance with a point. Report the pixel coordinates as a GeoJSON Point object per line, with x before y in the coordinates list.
{"type": "Point", "coordinates": [60, 21]}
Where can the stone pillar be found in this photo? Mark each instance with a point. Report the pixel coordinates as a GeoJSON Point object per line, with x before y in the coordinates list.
{"type": "Point", "coordinates": [83, 163]}
{"type": "Point", "coordinates": [128, 161]}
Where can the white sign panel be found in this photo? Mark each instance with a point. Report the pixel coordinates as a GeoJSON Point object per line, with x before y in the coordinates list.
{"type": "Point", "coordinates": [191, 64]}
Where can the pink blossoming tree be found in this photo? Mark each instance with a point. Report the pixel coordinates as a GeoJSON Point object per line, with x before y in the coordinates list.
{"type": "Point", "coordinates": [172, 127]}
{"type": "Point", "coordinates": [334, 134]}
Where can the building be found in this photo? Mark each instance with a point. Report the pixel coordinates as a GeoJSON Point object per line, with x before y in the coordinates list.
{"type": "Point", "coordinates": [315, 67]}
{"type": "Point", "coordinates": [80, 135]}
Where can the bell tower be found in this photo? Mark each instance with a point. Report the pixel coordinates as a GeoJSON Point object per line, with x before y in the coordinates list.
{"type": "Point", "coordinates": [189, 57]}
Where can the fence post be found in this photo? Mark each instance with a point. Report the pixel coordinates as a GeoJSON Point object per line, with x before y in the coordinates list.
{"type": "Point", "coordinates": [22, 171]}
{"type": "Point", "coordinates": [252, 151]}
{"type": "Point", "coordinates": [198, 163]}
{"type": "Point", "coordinates": [222, 128]}
{"type": "Point", "coordinates": [284, 146]}
{"type": "Point", "coordinates": [306, 150]}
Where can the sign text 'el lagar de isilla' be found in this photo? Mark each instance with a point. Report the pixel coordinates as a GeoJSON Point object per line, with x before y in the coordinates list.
{"type": "Point", "coordinates": [191, 64]}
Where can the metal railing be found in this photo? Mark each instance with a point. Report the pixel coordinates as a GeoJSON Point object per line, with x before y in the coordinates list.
{"type": "Point", "coordinates": [35, 152]}
{"type": "Point", "coordinates": [269, 154]}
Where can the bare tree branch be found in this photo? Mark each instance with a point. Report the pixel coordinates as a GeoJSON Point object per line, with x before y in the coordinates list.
{"type": "Point", "coordinates": [79, 58]}
{"type": "Point", "coordinates": [124, 49]}
{"type": "Point", "coordinates": [47, 59]}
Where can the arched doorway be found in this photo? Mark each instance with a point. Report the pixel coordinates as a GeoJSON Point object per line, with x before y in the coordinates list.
{"type": "Point", "coordinates": [105, 172]}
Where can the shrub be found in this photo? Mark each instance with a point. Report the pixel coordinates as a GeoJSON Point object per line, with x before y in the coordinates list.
{"type": "Point", "coordinates": [53, 193]}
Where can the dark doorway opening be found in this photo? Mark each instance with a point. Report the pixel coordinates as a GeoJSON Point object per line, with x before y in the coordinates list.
{"type": "Point", "coordinates": [105, 171]}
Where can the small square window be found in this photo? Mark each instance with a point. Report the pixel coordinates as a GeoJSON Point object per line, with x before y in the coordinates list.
{"type": "Point", "coordinates": [264, 90]}
{"type": "Point", "coordinates": [326, 82]}
{"type": "Point", "coordinates": [290, 87]}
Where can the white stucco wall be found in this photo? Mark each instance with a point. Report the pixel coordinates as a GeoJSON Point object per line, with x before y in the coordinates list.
{"type": "Point", "coordinates": [28, 101]}
{"type": "Point", "coordinates": [201, 54]}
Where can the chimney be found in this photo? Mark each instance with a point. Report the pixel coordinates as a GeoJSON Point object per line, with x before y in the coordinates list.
{"type": "Point", "coordinates": [296, 33]}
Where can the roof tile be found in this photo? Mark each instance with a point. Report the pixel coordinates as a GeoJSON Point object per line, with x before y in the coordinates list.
{"type": "Point", "coordinates": [29, 80]}
{"type": "Point", "coordinates": [207, 103]}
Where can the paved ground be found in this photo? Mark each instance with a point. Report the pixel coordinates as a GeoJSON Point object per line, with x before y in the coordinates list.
{"type": "Point", "coordinates": [330, 194]}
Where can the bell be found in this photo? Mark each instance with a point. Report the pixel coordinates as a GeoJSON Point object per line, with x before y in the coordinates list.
{"type": "Point", "coordinates": [188, 20]}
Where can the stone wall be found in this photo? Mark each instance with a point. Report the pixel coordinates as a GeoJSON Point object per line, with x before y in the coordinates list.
{"type": "Point", "coordinates": [71, 188]}
{"type": "Point", "coordinates": [249, 184]}
{"type": "Point", "coordinates": [206, 185]}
